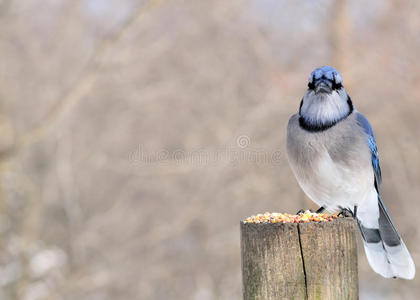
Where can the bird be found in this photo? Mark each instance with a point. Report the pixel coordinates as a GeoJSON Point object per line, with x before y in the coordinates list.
{"type": "Point", "coordinates": [332, 152]}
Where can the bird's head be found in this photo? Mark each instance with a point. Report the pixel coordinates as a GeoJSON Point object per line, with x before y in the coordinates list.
{"type": "Point", "coordinates": [325, 80]}
{"type": "Point", "coordinates": [325, 101]}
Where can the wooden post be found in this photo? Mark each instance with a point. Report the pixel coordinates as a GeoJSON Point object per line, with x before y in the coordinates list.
{"type": "Point", "coordinates": [299, 260]}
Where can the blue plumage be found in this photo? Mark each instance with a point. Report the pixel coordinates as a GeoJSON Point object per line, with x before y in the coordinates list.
{"type": "Point", "coordinates": [364, 123]}
{"type": "Point", "coordinates": [326, 72]}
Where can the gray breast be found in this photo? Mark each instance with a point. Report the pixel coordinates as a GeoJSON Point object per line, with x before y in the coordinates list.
{"type": "Point", "coordinates": [345, 143]}
{"type": "Point", "coordinates": [342, 149]}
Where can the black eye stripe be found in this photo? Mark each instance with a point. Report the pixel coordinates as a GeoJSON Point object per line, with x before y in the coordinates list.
{"type": "Point", "coordinates": [337, 86]}
{"type": "Point", "coordinates": [311, 85]}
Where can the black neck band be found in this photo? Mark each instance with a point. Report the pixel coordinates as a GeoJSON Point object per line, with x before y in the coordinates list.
{"type": "Point", "coordinates": [324, 126]}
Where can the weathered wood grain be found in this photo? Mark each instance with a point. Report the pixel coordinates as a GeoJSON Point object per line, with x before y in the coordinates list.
{"type": "Point", "coordinates": [271, 261]}
{"type": "Point", "coordinates": [330, 259]}
{"type": "Point", "coordinates": [299, 261]}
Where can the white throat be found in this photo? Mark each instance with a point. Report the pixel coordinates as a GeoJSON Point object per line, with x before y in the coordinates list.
{"type": "Point", "coordinates": [320, 109]}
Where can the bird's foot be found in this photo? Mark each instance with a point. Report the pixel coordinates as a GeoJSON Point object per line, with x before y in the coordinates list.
{"type": "Point", "coordinates": [302, 211]}
{"type": "Point", "coordinates": [345, 212]}
{"type": "Point", "coordinates": [355, 211]}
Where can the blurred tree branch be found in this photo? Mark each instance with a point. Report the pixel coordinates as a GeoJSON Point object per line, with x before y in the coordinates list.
{"type": "Point", "coordinates": [11, 145]}
{"type": "Point", "coordinates": [80, 88]}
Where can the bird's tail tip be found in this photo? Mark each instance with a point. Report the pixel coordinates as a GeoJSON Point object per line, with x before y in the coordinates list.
{"type": "Point", "coordinates": [390, 261]}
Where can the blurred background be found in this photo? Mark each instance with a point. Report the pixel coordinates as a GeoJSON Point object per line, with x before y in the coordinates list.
{"type": "Point", "coordinates": [135, 135]}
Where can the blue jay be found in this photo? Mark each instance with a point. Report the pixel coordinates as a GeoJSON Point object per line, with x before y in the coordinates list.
{"type": "Point", "coordinates": [332, 152]}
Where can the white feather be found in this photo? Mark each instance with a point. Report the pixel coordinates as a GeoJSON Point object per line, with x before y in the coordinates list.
{"type": "Point", "coordinates": [377, 259]}
{"type": "Point", "coordinates": [337, 185]}
{"type": "Point", "coordinates": [400, 261]}
{"type": "Point", "coordinates": [368, 210]}
{"type": "Point", "coordinates": [324, 108]}
{"type": "Point", "coordinates": [390, 262]}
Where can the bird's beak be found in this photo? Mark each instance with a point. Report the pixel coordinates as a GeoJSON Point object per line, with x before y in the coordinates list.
{"type": "Point", "coordinates": [323, 86]}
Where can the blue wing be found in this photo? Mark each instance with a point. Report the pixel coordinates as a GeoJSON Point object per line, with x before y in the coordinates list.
{"type": "Point", "coordinates": [364, 123]}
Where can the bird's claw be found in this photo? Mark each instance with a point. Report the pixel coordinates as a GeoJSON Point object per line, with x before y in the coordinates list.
{"type": "Point", "coordinates": [345, 212]}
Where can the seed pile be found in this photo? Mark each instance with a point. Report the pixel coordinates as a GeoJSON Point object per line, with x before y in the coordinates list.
{"type": "Point", "coordinates": [304, 217]}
